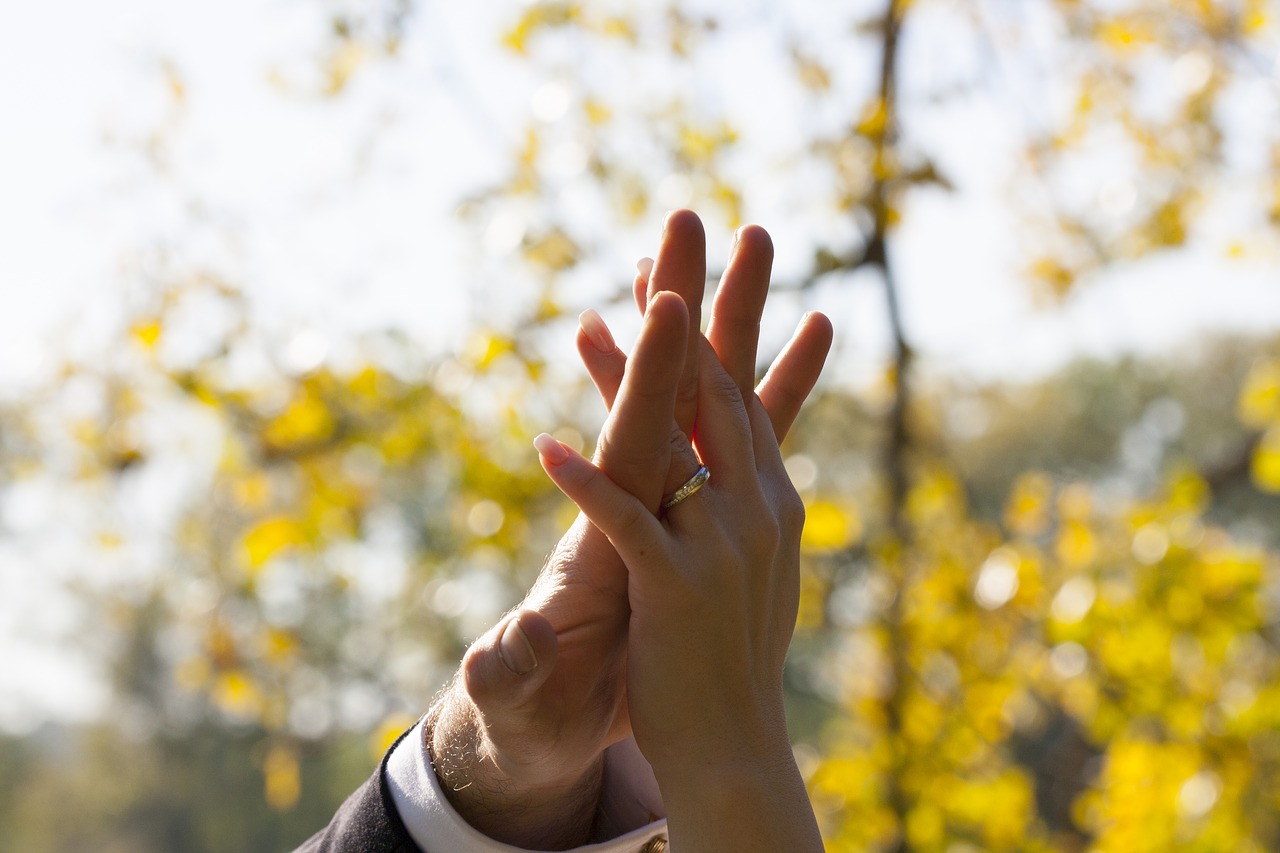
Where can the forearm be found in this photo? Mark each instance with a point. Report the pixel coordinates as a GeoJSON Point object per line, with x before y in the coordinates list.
{"type": "Point", "coordinates": [557, 814]}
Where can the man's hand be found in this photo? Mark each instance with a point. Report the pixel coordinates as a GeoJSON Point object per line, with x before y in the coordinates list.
{"type": "Point", "coordinates": [518, 738]}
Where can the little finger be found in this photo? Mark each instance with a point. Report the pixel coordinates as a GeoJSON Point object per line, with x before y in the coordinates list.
{"type": "Point", "coordinates": [795, 371]}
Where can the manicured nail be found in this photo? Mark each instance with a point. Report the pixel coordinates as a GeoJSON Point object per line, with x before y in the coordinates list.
{"type": "Point", "coordinates": [597, 332]}
{"type": "Point", "coordinates": [644, 266]}
{"type": "Point", "coordinates": [516, 650]}
{"type": "Point", "coordinates": [551, 450]}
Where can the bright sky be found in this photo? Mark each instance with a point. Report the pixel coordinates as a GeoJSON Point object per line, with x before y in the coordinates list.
{"type": "Point", "coordinates": [272, 172]}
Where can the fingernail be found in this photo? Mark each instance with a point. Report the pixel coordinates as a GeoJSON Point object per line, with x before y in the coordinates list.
{"type": "Point", "coordinates": [597, 332]}
{"type": "Point", "coordinates": [551, 450]}
{"type": "Point", "coordinates": [516, 650]}
{"type": "Point", "coordinates": [666, 219]}
{"type": "Point", "coordinates": [644, 266]}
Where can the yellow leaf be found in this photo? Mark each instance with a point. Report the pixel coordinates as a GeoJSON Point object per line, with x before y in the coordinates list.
{"type": "Point", "coordinates": [1266, 461]}
{"type": "Point", "coordinates": [387, 732]}
{"type": "Point", "coordinates": [731, 200]}
{"type": "Point", "coordinates": [1026, 511]}
{"type": "Point", "coordinates": [269, 538]}
{"type": "Point", "coordinates": [597, 112]}
{"type": "Point", "coordinates": [829, 527]}
{"type": "Point", "coordinates": [235, 693]}
{"type": "Point", "coordinates": [344, 62]}
{"type": "Point", "coordinates": [1054, 273]}
{"type": "Point", "coordinates": [279, 646]}
{"type": "Point", "coordinates": [874, 118]}
{"type": "Point", "coordinates": [555, 251]}
{"type": "Point", "coordinates": [699, 145]}
{"type": "Point", "coordinates": [1076, 545]}
{"type": "Point", "coordinates": [1124, 36]}
{"type": "Point", "coordinates": [1188, 492]}
{"type": "Point", "coordinates": [528, 157]}
{"type": "Point", "coordinates": [1259, 403]}
{"type": "Point", "coordinates": [304, 421]}
{"type": "Point", "coordinates": [1168, 226]}
{"type": "Point", "coordinates": [1255, 17]}
{"type": "Point", "coordinates": [282, 783]}
{"type": "Point", "coordinates": [616, 27]}
{"type": "Point", "coordinates": [538, 16]}
{"type": "Point", "coordinates": [147, 332]}
{"type": "Point", "coordinates": [517, 37]}
{"type": "Point", "coordinates": [812, 73]}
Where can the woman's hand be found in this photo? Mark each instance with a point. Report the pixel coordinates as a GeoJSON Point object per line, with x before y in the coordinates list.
{"type": "Point", "coordinates": [713, 586]}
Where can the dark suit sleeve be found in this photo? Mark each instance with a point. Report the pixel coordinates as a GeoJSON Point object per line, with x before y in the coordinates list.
{"type": "Point", "coordinates": [367, 822]}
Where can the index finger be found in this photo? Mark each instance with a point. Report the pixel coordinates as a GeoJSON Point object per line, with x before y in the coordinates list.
{"type": "Point", "coordinates": [635, 444]}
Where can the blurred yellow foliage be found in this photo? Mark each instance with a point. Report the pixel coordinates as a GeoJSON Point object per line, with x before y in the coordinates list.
{"type": "Point", "coordinates": [1265, 466]}
{"type": "Point", "coordinates": [1125, 34]}
{"type": "Point", "coordinates": [386, 733]}
{"type": "Point", "coordinates": [1027, 510]}
{"type": "Point", "coordinates": [269, 537]}
{"type": "Point", "coordinates": [538, 16]}
{"type": "Point", "coordinates": [1259, 402]}
{"type": "Point", "coordinates": [282, 782]}
{"type": "Point", "coordinates": [829, 526]}
{"type": "Point", "coordinates": [305, 420]}
{"type": "Point", "coordinates": [700, 144]}
{"type": "Point", "coordinates": [236, 694]}
{"type": "Point", "coordinates": [147, 332]}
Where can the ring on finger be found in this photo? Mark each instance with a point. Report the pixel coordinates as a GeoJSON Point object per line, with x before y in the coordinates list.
{"type": "Point", "coordinates": [689, 489]}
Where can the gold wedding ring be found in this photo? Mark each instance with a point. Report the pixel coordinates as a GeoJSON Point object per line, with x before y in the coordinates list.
{"type": "Point", "coordinates": [691, 486]}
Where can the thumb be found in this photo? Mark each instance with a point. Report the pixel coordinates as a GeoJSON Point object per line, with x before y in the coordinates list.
{"type": "Point", "coordinates": [503, 670]}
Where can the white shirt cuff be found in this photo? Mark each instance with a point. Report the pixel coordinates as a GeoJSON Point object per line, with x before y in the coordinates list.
{"type": "Point", "coordinates": [629, 796]}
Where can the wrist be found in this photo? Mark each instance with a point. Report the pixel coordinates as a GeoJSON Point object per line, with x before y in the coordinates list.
{"type": "Point", "coordinates": [549, 814]}
{"type": "Point", "coordinates": [756, 802]}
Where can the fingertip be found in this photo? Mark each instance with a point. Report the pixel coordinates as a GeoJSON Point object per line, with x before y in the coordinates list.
{"type": "Point", "coordinates": [551, 450]}
{"type": "Point", "coordinates": [667, 317]}
{"type": "Point", "coordinates": [819, 325]}
{"type": "Point", "coordinates": [682, 222]}
{"type": "Point", "coordinates": [527, 642]}
{"type": "Point", "coordinates": [596, 330]}
{"type": "Point", "coordinates": [667, 303]}
{"type": "Point", "coordinates": [510, 659]}
{"type": "Point", "coordinates": [644, 268]}
{"type": "Point", "coordinates": [755, 238]}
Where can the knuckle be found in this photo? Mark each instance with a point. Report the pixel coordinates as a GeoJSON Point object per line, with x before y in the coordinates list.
{"type": "Point", "coordinates": [478, 679]}
{"type": "Point", "coordinates": [724, 385]}
{"type": "Point", "coordinates": [618, 455]}
{"type": "Point", "coordinates": [678, 442]}
{"type": "Point", "coordinates": [631, 518]}
{"type": "Point", "coordinates": [791, 511]}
